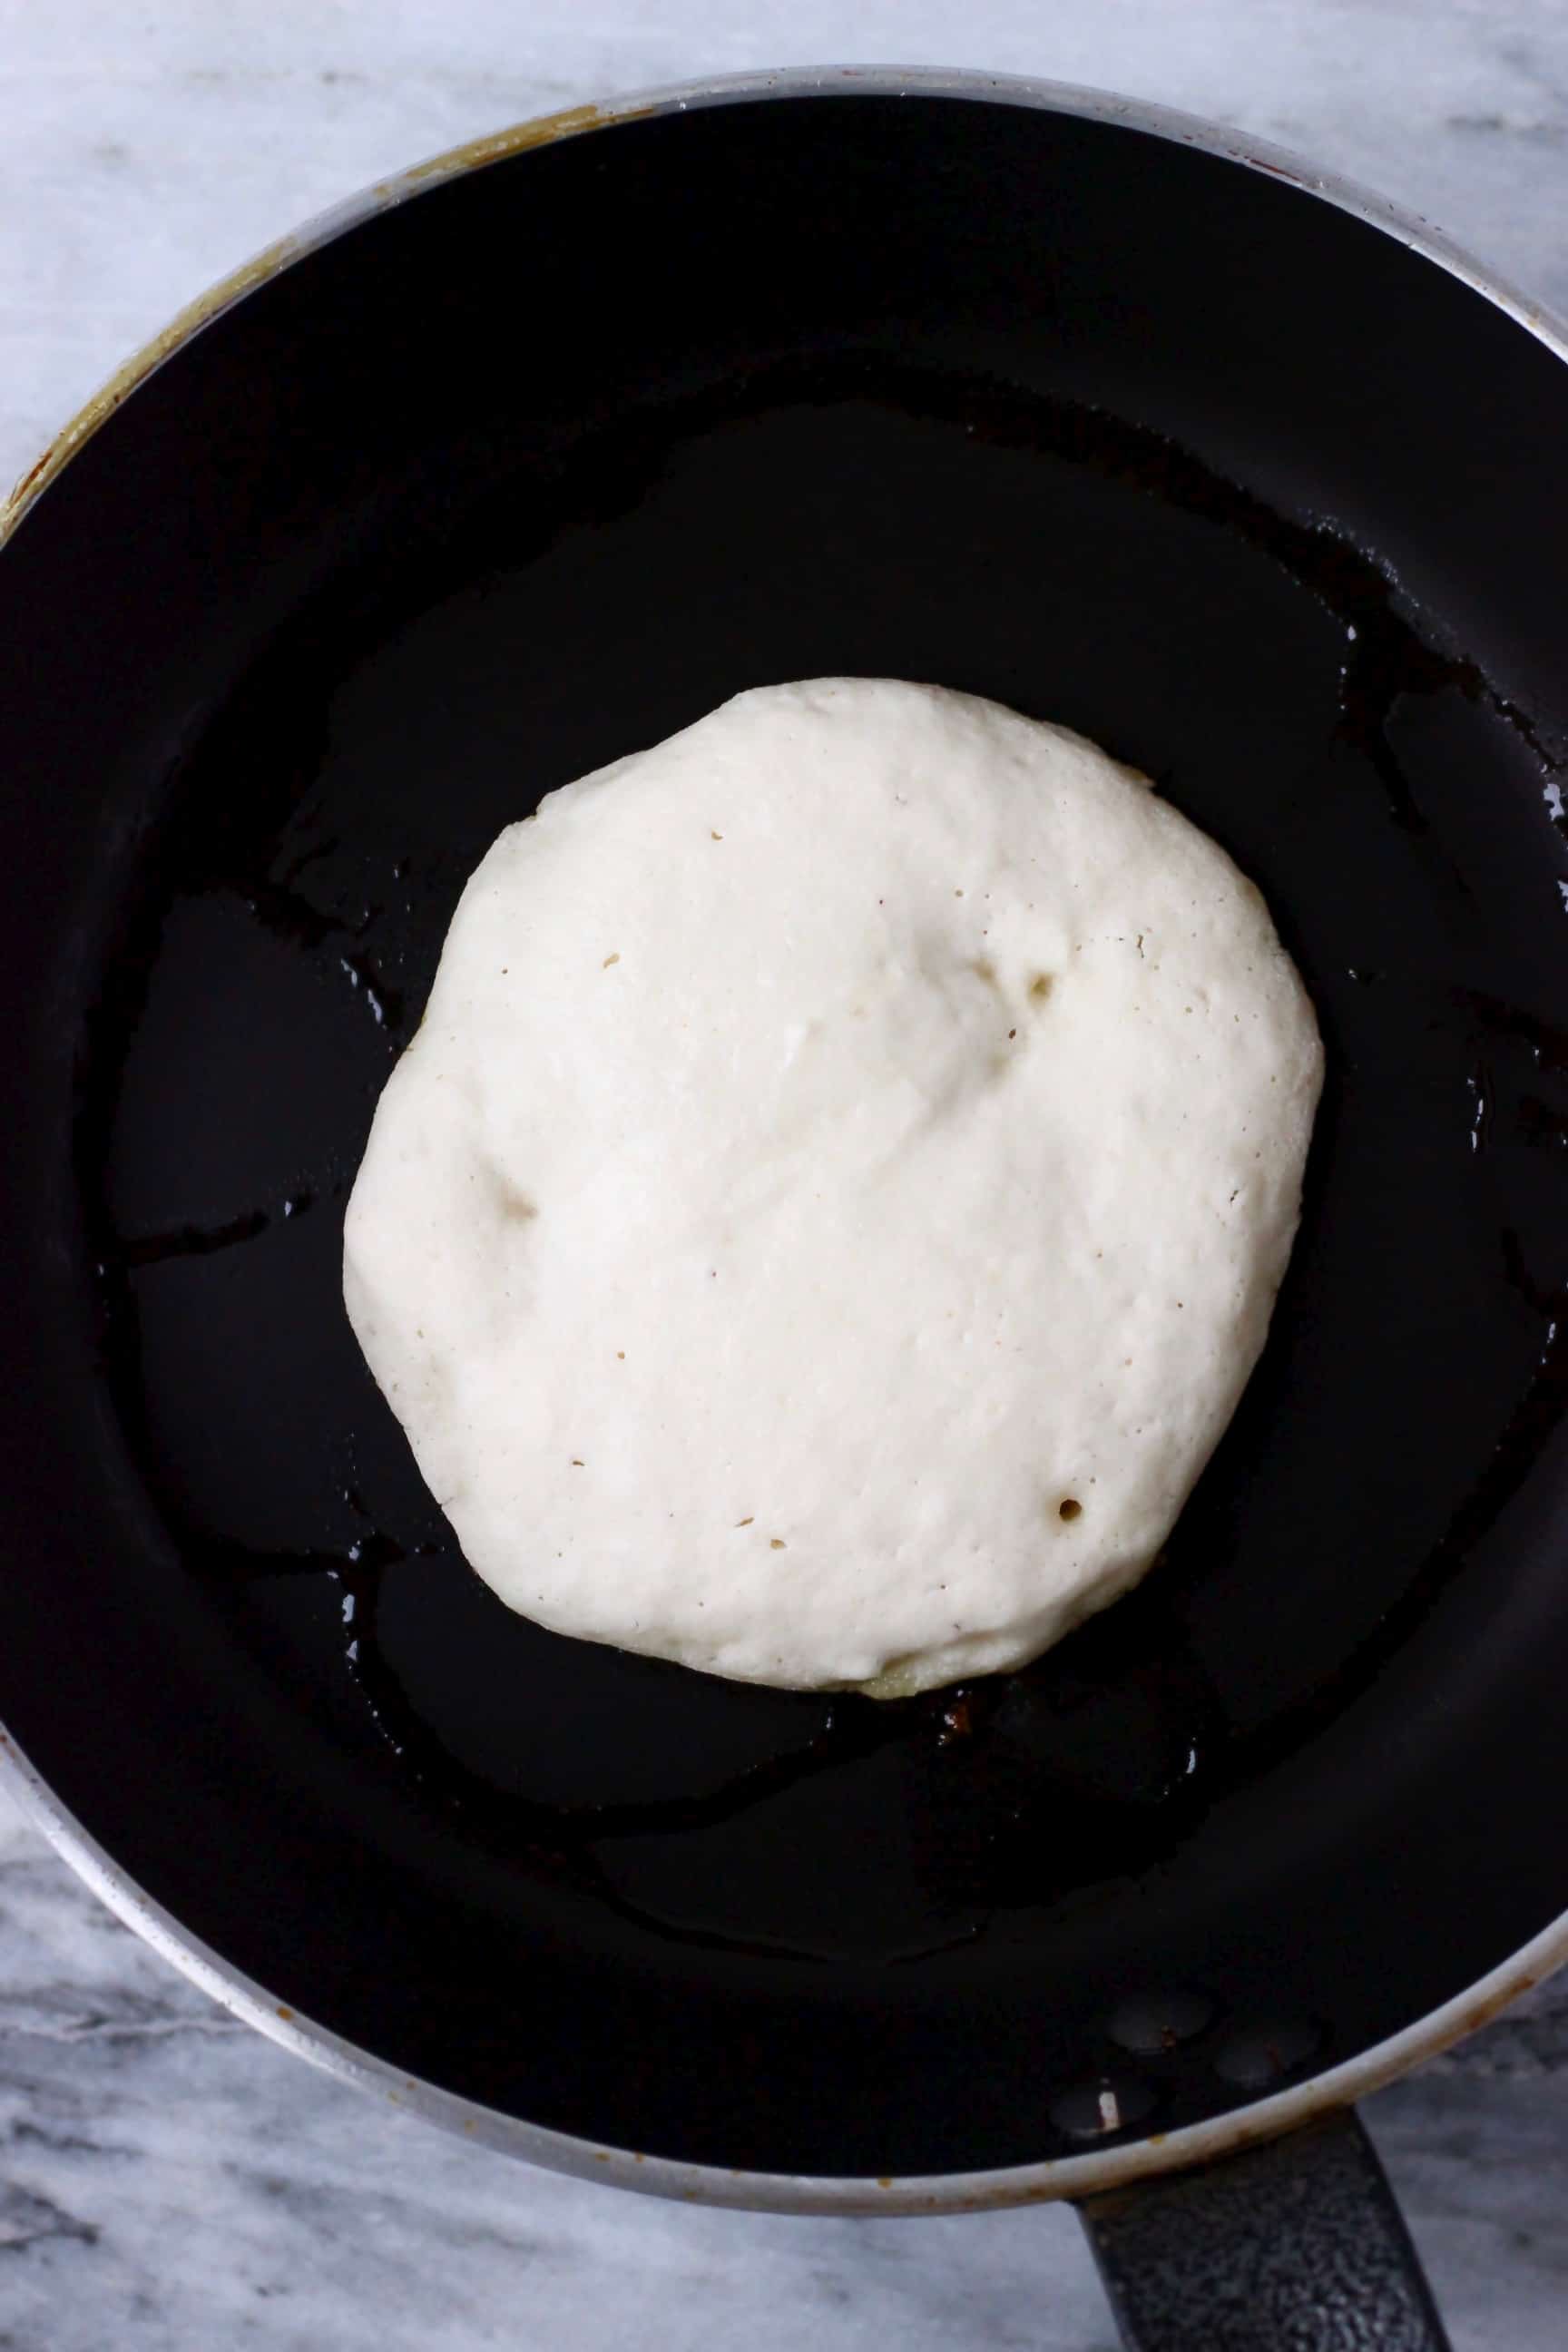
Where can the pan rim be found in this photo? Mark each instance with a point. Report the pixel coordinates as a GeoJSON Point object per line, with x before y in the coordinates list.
{"type": "Point", "coordinates": [1045, 2179]}
{"type": "Point", "coordinates": [1089, 103]}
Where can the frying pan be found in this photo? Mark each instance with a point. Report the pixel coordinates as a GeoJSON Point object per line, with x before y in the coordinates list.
{"type": "Point", "coordinates": [527, 459]}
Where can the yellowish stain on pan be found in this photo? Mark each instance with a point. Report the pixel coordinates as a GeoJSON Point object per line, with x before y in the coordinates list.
{"type": "Point", "coordinates": [471, 156]}
{"type": "Point", "coordinates": [473, 153]}
{"type": "Point", "coordinates": [125, 379]}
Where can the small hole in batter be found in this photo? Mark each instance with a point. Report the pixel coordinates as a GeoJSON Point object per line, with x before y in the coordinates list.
{"type": "Point", "coordinates": [1068, 1508]}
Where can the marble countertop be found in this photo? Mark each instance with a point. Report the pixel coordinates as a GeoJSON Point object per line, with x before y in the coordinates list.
{"type": "Point", "coordinates": [169, 2182]}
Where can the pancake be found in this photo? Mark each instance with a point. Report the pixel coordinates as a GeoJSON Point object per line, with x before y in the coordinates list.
{"type": "Point", "coordinates": [839, 1191]}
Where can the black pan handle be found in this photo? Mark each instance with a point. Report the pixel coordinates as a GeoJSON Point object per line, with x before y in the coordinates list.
{"type": "Point", "coordinates": [1297, 2243]}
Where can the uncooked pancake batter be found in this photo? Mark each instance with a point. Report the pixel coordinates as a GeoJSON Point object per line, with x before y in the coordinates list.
{"type": "Point", "coordinates": [839, 1191]}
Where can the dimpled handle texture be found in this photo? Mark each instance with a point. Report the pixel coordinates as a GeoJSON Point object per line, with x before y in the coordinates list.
{"type": "Point", "coordinates": [1294, 2246]}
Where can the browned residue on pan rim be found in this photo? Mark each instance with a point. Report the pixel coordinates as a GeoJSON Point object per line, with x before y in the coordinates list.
{"type": "Point", "coordinates": [125, 379]}
{"type": "Point", "coordinates": [472, 155]}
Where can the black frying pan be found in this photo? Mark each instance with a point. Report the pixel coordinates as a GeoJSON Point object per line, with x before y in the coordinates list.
{"type": "Point", "coordinates": [517, 469]}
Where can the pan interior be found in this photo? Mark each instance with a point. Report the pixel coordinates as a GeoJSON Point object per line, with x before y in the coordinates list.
{"type": "Point", "coordinates": [456, 510]}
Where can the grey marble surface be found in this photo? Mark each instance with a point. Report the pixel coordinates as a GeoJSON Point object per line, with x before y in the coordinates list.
{"type": "Point", "coordinates": [168, 2182]}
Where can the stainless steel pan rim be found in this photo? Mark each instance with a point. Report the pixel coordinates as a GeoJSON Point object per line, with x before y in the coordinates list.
{"type": "Point", "coordinates": [948, 2192]}
{"type": "Point", "coordinates": [1076, 2176]}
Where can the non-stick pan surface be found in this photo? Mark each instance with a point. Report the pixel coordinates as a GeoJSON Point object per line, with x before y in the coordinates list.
{"type": "Point", "coordinates": [532, 470]}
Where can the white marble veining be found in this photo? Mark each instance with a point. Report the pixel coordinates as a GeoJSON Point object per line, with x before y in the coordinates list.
{"type": "Point", "coordinates": [168, 2182]}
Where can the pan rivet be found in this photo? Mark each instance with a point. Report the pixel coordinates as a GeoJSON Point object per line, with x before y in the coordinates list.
{"type": "Point", "coordinates": [1266, 2051]}
{"type": "Point", "coordinates": [1095, 2110]}
{"type": "Point", "coordinates": [1149, 2022]}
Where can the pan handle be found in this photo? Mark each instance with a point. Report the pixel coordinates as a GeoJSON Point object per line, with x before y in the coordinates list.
{"type": "Point", "coordinates": [1297, 2242]}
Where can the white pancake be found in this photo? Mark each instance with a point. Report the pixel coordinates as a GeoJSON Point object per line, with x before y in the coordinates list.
{"type": "Point", "coordinates": [839, 1191]}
